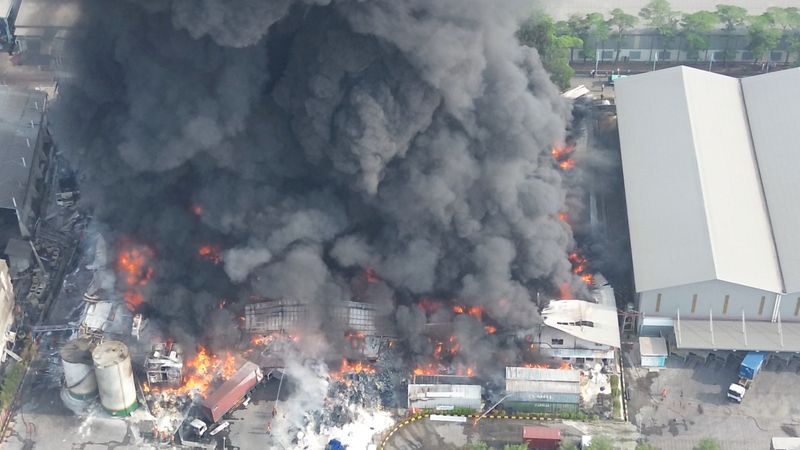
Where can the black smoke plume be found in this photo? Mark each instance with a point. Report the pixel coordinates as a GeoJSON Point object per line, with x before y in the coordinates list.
{"type": "Point", "coordinates": [307, 142]}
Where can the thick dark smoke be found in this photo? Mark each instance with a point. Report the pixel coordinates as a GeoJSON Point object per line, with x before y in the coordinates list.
{"type": "Point", "coordinates": [310, 141]}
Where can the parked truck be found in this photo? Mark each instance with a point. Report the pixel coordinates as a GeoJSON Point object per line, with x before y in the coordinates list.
{"type": "Point", "coordinates": [227, 396]}
{"type": "Point", "coordinates": [751, 365]}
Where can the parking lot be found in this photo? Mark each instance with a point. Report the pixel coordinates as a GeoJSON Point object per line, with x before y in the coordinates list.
{"type": "Point", "coordinates": [677, 406]}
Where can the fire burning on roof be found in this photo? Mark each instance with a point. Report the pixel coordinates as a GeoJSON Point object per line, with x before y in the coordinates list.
{"type": "Point", "coordinates": [134, 264]}
{"type": "Point", "coordinates": [210, 252]}
{"type": "Point", "coordinates": [200, 373]}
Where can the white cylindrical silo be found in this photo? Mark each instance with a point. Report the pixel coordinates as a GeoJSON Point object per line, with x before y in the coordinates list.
{"type": "Point", "coordinates": [112, 367]}
{"type": "Point", "coordinates": [79, 379]}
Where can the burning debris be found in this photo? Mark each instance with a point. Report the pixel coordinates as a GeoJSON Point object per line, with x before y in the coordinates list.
{"type": "Point", "coordinates": [164, 366]}
{"type": "Point", "coordinates": [416, 164]}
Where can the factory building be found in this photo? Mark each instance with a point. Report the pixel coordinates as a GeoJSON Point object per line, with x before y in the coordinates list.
{"type": "Point", "coordinates": [581, 332]}
{"type": "Point", "coordinates": [6, 310]}
{"type": "Point", "coordinates": [542, 390]}
{"type": "Point", "coordinates": [710, 169]}
{"type": "Point", "coordinates": [25, 153]}
{"type": "Point", "coordinates": [444, 397]}
{"type": "Point", "coordinates": [369, 331]}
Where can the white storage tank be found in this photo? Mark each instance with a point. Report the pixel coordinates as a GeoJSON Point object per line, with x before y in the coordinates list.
{"type": "Point", "coordinates": [112, 367]}
{"type": "Point", "coordinates": [79, 379]}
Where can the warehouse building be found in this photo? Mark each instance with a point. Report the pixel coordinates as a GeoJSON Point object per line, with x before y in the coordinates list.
{"type": "Point", "coordinates": [444, 397]}
{"type": "Point", "coordinates": [542, 390]}
{"type": "Point", "coordinates": [710, 167]}
{"type": "Point", "coordinates": [26, 150]}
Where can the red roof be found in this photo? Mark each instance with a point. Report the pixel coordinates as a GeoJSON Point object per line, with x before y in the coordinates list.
{"type": "Point", "coordinates": [541, 433]}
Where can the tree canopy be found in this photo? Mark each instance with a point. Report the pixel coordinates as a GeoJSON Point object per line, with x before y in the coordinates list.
{"type": "Point", "coordinates": [540, 33]}
{"type": "Point", "coordinates": [695, 28]}
{"type": "Point", "coordinates": [707, 444]}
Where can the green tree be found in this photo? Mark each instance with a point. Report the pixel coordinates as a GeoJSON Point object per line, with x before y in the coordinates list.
{"type": "Point", "coordinates": [601, 443]}
{"type": "Point", "coordinates": [731, 17]}
{"type": "Point", "coordinates": [540, 33]}
{"type": "Point", "coordinates": [621, 22]}
{"type": "Point", "coordinates": [515, 447]}
{"type": "Point", "coordinates": [567, 445]}
{"type": "Point", "coordinates": [763, 36]}
{"type": "Point", "coordinates": [477, 446]}
{"type": "Point", "coordinates": [707, 444]}
{"type": "Point", "coordinates": [592, 29]}
{"type": "Point", "coordinates": [695, 28]}
{"type": "Point", "coordinates": [645, 446]}
{"type": "Point", "coordinates": [659, 15]}
{"type": "Point", "coordinates": [788, 20]}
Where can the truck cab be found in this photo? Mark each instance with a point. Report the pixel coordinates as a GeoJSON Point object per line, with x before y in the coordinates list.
{"type": "Point", "coordinates": [751, 365]}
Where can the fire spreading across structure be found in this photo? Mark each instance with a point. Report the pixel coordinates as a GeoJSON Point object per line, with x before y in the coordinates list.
{"type": "Point", "coordinates": [358, 224]}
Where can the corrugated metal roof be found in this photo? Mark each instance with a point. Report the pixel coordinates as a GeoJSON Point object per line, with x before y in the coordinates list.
{"type": "Point", "coordinates": [692, 183]}
{"type": "Point", "coordinates": [540, 433]}
{"type": "Point", "coordinates": [549, 387]}
{"type": "Point", "coordinates": [773, 108]}
{"type": "Point", "coordinates": [541, 374]}
{"type": "Point", "coordinates": [459, 390]}
{"type": "Point", "coordinates": [728, 335]}
{"type": "Point", "coordinates": [585, 320]}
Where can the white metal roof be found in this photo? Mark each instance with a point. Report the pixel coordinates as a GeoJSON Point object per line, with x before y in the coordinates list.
{"type": "Point", "coordinates": [585, 320]}
{"type": "Point", "coordinates": [21, 113]}
{"type": "Point", "coordinates": [542, 374]}
{"type": "Point", "coordinates": [729, 335]}
{"type": "Point", "coordinates": [652, 346]}
{"type": "Point", "coordinates": [773, 106]}
{"type": "Point", "coordinates": [692, 182]}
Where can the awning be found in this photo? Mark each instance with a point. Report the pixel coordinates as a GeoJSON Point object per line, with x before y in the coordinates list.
{"type": "Point", "coordinates": [737, 335]}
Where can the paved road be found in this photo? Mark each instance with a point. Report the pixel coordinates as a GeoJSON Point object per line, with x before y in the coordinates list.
{"type": "Point", "coordinates": [561, 9]}
{"type": "Point", "coordinates": [428, 434]}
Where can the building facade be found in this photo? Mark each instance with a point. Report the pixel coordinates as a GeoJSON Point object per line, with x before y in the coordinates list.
{"type": "Point", "coordinates": [542, 390]}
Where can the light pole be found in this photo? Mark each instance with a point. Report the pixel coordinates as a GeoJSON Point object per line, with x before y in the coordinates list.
{"type": "Point", "coordinates": [655, 60]}
{"type": "Point", "coordinates": [710, 62]}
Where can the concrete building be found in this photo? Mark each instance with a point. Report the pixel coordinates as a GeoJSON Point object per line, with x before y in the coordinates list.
{"type": "Point", "coordinates": [653, 351]}
{"type": "Point", "coordinates": [444, 397]}
{"type": "Point", "coordinates": [542, 390]}
{"type": "Point", "coordinates": [6, 310]}
{"type": "Point", "coordinates": [26, 150]}
{"type": "Point", "coordinates": [710, 169]}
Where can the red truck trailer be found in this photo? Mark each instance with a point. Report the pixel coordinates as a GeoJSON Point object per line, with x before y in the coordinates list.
{"type": "Point", "coordinates": [230, 393]}
{"type": "Point", "coordinates": [541, 438]}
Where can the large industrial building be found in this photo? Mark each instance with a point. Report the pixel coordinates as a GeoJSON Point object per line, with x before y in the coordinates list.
{"type": "Point", "coordinates": [542, 390]}
{"type": "Point", "coordinates": [710, 166]}
{"type": "Point", "coordinates": [25, 153]}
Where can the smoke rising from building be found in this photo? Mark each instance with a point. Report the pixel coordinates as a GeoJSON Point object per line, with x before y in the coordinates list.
{"type": "Point", "coordinates": [302, 144]}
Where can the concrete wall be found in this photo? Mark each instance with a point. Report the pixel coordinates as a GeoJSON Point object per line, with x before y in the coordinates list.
{"type": "Point", "coordinates": [711, 296]}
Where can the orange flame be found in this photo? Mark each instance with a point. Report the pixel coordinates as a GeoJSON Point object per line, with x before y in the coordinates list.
{"type": "Point", "coordinates": [537, 366]}
{"type": "Point", "coordinates": [201, 371]}
{"type": "Point", "coordinates": [347, 368]}
{"type": "Point", "coordinates": [210, 252]}
{"type": "Point", "coordinates": [475, 312]}
{"type": "Point", "coordinates": [567, 164]}
{"type": "Point", "coordinates": [425, 370]}
{"type": "Point", "coordinates": [133, 263]}
{"type": "Point", "coordinates": [458, 309]}
{"type": "Point", "coordinates": [563, 217]}
{"type": "Point", "coordinates": [565, 365]}
{"type": "Point", "coordinates": [565, 291]}
{"type": "Point", "coordinates": [370, 274]}
{"type": "Point", "coordinates": [197, 209]}
{"type": "Point", "coordinates": [490, 329]}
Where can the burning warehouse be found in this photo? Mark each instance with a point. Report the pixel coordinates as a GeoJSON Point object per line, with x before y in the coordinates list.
{"type": "Point", "coordinates": [382, 151]}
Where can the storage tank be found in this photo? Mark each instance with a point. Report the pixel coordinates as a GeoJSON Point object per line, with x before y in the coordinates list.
{"type": "Point", "coordinates": [112, 367]}
{"type": "Point", "coordinates": [79, 379]}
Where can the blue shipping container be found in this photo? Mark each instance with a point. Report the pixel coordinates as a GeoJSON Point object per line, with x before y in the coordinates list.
{"type": "Point", "coordinates": [334, 444]}
{"type": "Point", "coordinates": [751, 364]}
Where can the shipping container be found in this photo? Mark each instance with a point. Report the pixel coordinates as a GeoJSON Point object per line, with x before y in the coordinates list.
{"type": "Point", "coordinates": [541, 438]}
{"type": "Point", "coordinates": [230, 393]}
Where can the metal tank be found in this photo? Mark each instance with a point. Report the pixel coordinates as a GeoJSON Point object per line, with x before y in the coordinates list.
{"type": "Point", "coordinates": [79, 379]}
{"type": "Point", "coordinates": [112, 367]}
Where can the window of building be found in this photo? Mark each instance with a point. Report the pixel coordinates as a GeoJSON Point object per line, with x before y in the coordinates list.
{"type": "Point", "coordinates": [776, 56]}
{"type": "Point", "coordinates": [725, 305]}
{"type": "Point", "coordinates": [694, 303]}
{"type": "Point", "coordinates": [635, 55]}
{"type": "Point", "coordinates": [761, 305]}
{"type": "Point", "coordinates": [747, 56]}
{"type": "Point", "coordinates": [608, 54]}
{"type": "Point", "coordinates": [557, 341]}
{"type": "Point", "coordinates": [658, 302]}
{"type": "Point", "coordinates": [664, 55]}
